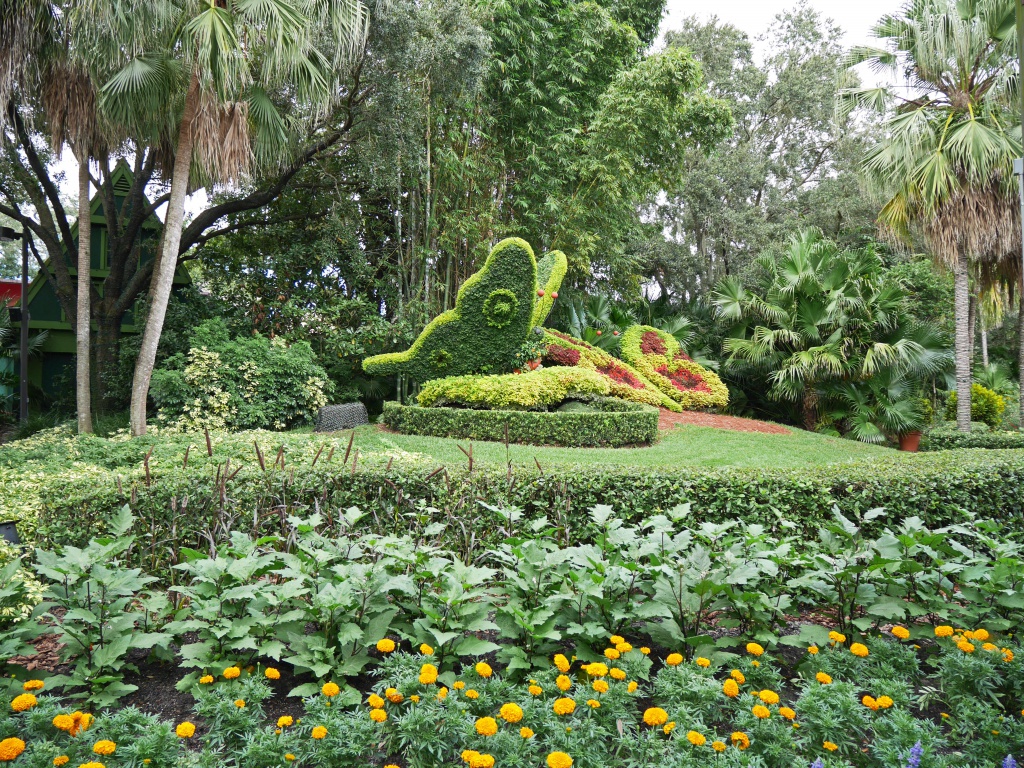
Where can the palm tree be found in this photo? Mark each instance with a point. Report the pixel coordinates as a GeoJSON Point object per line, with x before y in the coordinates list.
{"type": "Point", "coordinates": [945, 158]}
{"type": "Point", "coordinates": [818, 317]}
{"type": "Point", "coordinates": [224, 85]}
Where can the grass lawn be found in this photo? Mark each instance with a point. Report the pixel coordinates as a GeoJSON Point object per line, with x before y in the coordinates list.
{"type": "Point", "coordinates": [677, 447]}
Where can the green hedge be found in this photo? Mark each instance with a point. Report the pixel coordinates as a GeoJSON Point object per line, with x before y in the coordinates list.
{"type": "Point", "coordinates": [530, 390]}
{"type": "Point", "coordinates": [612, 423]}
{"type": "Point", "coordinates": [175, 507]}
{"type": "Point", "coordinates": [946, 440]}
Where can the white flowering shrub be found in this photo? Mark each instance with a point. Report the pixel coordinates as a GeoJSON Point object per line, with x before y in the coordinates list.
{"type": "Point", "coordinates": [239, 383]}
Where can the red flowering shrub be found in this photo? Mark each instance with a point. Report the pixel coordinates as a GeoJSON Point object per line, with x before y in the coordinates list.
{"type": "Point", "coordinates": [651, 344]}
{"type": "Point", "coordinates": [620, 375]}
{"type": "Point", "coordinates": [656, 355]}
{"type": "Point", "coordinates": [684, 380]}
{"type": "Point", "coordinates": [559, 355]}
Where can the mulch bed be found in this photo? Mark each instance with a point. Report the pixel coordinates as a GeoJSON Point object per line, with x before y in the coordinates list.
{"type": "Point", "coordinates": [668, 420]}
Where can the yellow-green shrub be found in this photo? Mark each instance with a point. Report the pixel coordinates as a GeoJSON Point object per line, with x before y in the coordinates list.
{"type": "Point", "coordinates": [526, 391]}
{"type": "Point", "coordinates": [658, 356]}
{"type": "Point", "coordinates": [986, 406]}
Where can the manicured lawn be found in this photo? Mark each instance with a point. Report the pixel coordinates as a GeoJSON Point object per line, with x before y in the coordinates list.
{"type": "Point", "coordinates": [678, 447]}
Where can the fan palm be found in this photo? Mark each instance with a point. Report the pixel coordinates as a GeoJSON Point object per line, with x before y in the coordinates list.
{"type": "Point", "coordinates": [945, 158]}
{"type": "Point", "coordinates": [222, 85]}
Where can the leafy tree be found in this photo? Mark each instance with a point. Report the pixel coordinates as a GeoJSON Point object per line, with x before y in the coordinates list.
{"type": "Point", "coordinates": [817, 320]}
{"type": "Point", "coordinates": [789, 163]}
{"type": "Point", "coordinates": [945, 156]}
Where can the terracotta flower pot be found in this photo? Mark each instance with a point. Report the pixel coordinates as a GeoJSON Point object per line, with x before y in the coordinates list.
{"type": "Point", "coordinates": [910, 441]}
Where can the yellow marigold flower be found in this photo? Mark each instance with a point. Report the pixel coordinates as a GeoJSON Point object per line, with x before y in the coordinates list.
{"type": "Point", "coordinates": [655, 716]}
{"type": "Point", "coordinates": [564, 706]}
{"type": "Point", "coordinates": [82, 721]}
{"type": "Point", "coordinates": [616, 639]}
{"type": "Point", "coordinates": [990, 647]}
{"type": "Point", "coordinates": [561, 663]}
{"type": "Point", "coordinates": [624, 647]}
{"type": "Point", "coordinates": [378, 715]}
{"type": "Point", "coordinates": [787, 713]}
{"type": "Point", "coordinates": [1007, 655]}
{"type": "Point", "coordinates": [719, 746]}
{"type": "Point", "coordinates": [104, 747]}
{"type": "Point", "coordinates": [392, 695]}
{"type": "Point", "coordinates": [870, 703]}
{"type": "Point", "coordinates": [943, 630]}
{"type": "Point", "coordinates": [375, 701]}
{"type": "Point", "coordinates": [768, 697]}
{"type": "Point", "coordinates": [823, 678]}
{"type": "Point", "coordinates": [486, 726]}
{"type": "Point", "coordinates": [526, 733]}
{"type": "Point", "coordinates": [24, 702]}
{"type": "Point", "coordinates": [10, 748]}
{"type": "Point", "coordinates": [830, 746]}
{"type": "Point", "coordinates": [601, 686]}
{"type": "Point", "coordinates": [185, 730]}
{"type": "Point", "coordinates": [617, 674]}
{"type": "Point", "coordinates": [64, 722]}
{"type": "Point", "coordinates": [593, 703]}
{"type": "Point", "coordinates": [611, 654]}
{"type": "Point", "coordinates": [33, 685]}
{"type": "Point", "coordinates": [755, 663]}
{"type": "Point", "coordinates": [511, 713]}
{"type": "Point", "coordinates": [563, 683]}
{"type": "Point", "coordinates": [271, 674]}
{"type": "Point", "coordinates": [471, 694]}
{"type": "Point", "coordinates": [702, 662]}
{"type": "Point", "coordinates": [468, 754]}
{"type": "Point", "coordinates": [901, 632]}
{"type": "Point", "coordinates": [813, 650]}
{"type": "Point", "coordinates": [330, 690]}
{"type": "Point", "coordinates": [596, 669]}
{"type": "Point", "coordinates": [284, 721]}
{"type": "Point", "coordinates": [482, 761]}
{"type": "Point", "coordinates": [483, 669]}
{"type": "Point", "coordinates": [669, 727]}
{"type": "Point", "coordinates": [231, 673]}
{"type": "Point", "coordinates": [458, 685]}
{"type": "Point", "coordinates": [730, 688]}
{"type": "Point", "coordinates": [945, 715]}
{"type": "Point", "coordinates": [965, 646]}
{"type": "Point", "coordinates": [697, 739]}
{"type": "Point", "coordinates": [416, 699]}
{"type": "Point", "coordinates": [761, 712]}
{"type": "Point", "coordinates": [631, 688]}
{"type": "Point", "coordinates": [859, 649]}
{"type": "Point", "coordinates": [645, 650]}
{"type": "Point", "coordinates": [981, 634]}
{"type": "Point", "coordinates": [426, 650]}
{"type": "Point", "coordinates": [738, 676]}
{"type": "Point", "coordinates": [754, 649]}
{"type": "Point", "coordinates": [61, 760]}
{"type": "Point", "coordinates": [428, 674]}
{"type": "Point", "coordinates": [559, 760]}
{"type": "Point", "coordinates": [206, 679]}
{"type": "Point", "coordinates": [92, 764]}
{"type": "Point", "coordinates": [386, 645]}
{"type": "Point", "coordinates": [535, 690]}
{"type": "Point", "coordinates": [320, 732]}
{"type": "Point", "coordinates": [740, 740]}
{"type": "Point", "coordinates": [836, 637]}
{"type": "Point", "coordinates": [442, 694]}
{"type": "Point", "coordinates": [674, 659]}
{"type": "Point", "coordinates": [240, 703]}
{"type": "Point", "coordinates": [390, 765]}
{"type": "Point", "coordinates": [884, 702]}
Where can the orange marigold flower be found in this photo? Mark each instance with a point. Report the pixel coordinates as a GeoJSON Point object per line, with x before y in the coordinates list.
{"type": "Point", "coordinates": [593, 703]}
{"type": "Point", "coordinates": [535, 690]}
{"type": "Point", "coordinates": [813, 650]}
{"type": "Point", "coordinates": [378, 715]}
{"type": "Point", "coordinates": [24, 702]}
{"type": "Point", "coordinates": [740, 740]}
{"type": "Point", "coordinates": [458, 685]}
{"type": "Point", "coordinates": [511, 713]}
{"type": "Point", "coordinates": [33, 685]}
{"type": "Point", "coordinates": [61, 760]}
{"type": "Point", "coordinates": [428, 674]}
{"type": "Point", "coordinates": [416, 699]}
{"type": "Point", "coordinates": [990, 647]}
{"type": "Point", "coordinates": [559, 760]}
{"type": "Point", "coordinates": [206, 679]}
{"type": "Point", "coordinates": [375, 701]}
{"type": "Point", "coordinates": [981, 634]}
{"type": "Point", "coordinates": [859, 649]}
{"type": "Point", "coordinates": [616, 639]}
{"type": "Point", "coordinates": [320, 732]}
{"type": "Point", "coordinates": [483, 669]}
{"type": "Point", "coordinates": [185, 730]}
{"type": "Point", "coordinates": [486, 726]}
{"type": "Point", "coordinates": [702, 662]}
{"type": "Point", "coordinates": [836, 637]}
{"type": "Point", "coordinates": [755, 649]}
{"type": "Point", "coordinates": [330, 690]}
{"type": "Point", "coordinates": [563, 683]}
{"type": "Point", "coordinates": [830, 746]}
{"type": "Point", "coordinates": [617, 674]}
{"type": "Point", "coordinates": [470, 694]}
{"type": "Point", "coordinates": [561, 663]}
{"type": "Point", "coordinates": [901, 632]}
{"type": "Point", "coordinates": [392, 695]}
{"type": "Point", "coordinates": [738, 676]}
{"type": "Point", "coordinates": [564, 706]}
{"type": "Point", "coordinates": [768, 697]}
{"type": "Point", "coordinates": [669, 727]}
{"type": "Point", "coordinates": [966, 647]}
{"type": "Point", "coordinates": [697, 739]}
{"type": "Point", "coordinates": [284, 721]}
{"type": "Point", "coordinates": [104, 747]}
{"type": "Point", "coordinates": [289, 757]}
{"type": "Point", "coordinates": [943, 630]}
{"type": "Point", "coordinates": [64, 723]}
{"type": "Point", "coordinates": [601, 686]}
{"type": "Point", "coordinates": [1007, 655]}
{"type": "Point", "coordinates": [787, 713]}
{"type": "Point", "coordinates": [631, 688]}
{"type": "Point", "coordinates": [10, 748]}
{"type": "Point", "coordinates": [655, 716]}
{"type": "Point", "coordinates": [674, 659]}
{"type": "Point", "coordinates": [386, 645]}
{"type": "Point", "coordinates": [823, 678]}
{"type": "Point", "coordinates": [231, 673]}
{"type": "Point", "coordinates": [884, 702]}
{"type": "Point", "coordinates": [271, 674]}
{"type": "Point", "coordinates": [596, 669]}
{"type": "Point", "coordinates": [719, 746]}
{"type": "Point", "coordinates": [645, 650]}
{"type": "Point", "coordinates": [870, 702]}
{"type": "Point", "coordinates": [526, 733]}
{"type": "Point", "coordinates": [623, 647]}
{"type": "Point", "coordinates": [611, 654]}
{"type": "Point", "coordinates": [426, 650]}
{"type": "Point", "coordinates": [761, 712]}
{"type": "Point", "coordinates": [730, 689]}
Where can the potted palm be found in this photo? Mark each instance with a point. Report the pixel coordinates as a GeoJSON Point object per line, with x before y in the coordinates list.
{"type": "Point", "coordinates": [885, 407]}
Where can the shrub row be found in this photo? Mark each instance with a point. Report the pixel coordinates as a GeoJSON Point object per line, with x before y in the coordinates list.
{"type": "Point", "coordinates": [534, 390]}
{"type": "Point", "coordinates": [611, 423]}
{"type": "Point", "coordinates": [945, 441]}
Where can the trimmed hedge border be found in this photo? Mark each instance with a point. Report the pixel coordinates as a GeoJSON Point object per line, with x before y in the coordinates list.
{"type": "Point", "coordinates": [617, 424]}
{"type": "Point", "coordinates": [948, 441]}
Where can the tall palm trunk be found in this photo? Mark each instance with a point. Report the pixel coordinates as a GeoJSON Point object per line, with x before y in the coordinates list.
{"type": "Point", "coordinates": [962, 348]}
{"type": "Point", "coordinates": [163, 276]}
{"type": "Point", "coordinates": [83, 346]}
{"type": "Point", "coordinates": [1020, 344]}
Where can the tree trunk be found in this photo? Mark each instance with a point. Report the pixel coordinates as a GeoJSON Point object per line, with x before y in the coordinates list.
{"type": "Point", "coordinates": [809, 408]}
{"type": "Point", "coordinates": [961, 305]}
{"type": "Point", "coordinates": [972, 326]}
{"type": "Point", "coordinates": [984, 346]}
{"type": "Point", "coordinates": [108, 358]}
{"type": "Point", "coordinates": [83, 318]}
{"type": "Point", "coordinates": [1020, 343]}
{"type": "Point", "coordinates": [163, 278]}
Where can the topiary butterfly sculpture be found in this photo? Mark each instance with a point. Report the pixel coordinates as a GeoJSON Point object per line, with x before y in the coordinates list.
{"type": "Point", "coordinates": [658, 356]}
{"type": "Point", "coordinates": [494, 312]}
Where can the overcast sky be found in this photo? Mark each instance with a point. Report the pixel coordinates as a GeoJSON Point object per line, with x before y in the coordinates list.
{"type": "Point", "coordinates": [754, 16]}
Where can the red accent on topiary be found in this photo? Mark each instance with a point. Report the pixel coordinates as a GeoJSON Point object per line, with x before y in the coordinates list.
{"type": "Point", "coordinates": [683, 356]}
{"type": "Point", "coordinates": [621, 375]}
{"type": "Point", "coordinates": [683, 380]}
{"type": "Point", "coordinates": [651, 344]}
{"type": "Point", "coordinates": [558, 355]}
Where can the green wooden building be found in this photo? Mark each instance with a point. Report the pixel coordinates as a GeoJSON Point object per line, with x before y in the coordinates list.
{"type": "Point", "coordinates": [54, 367]}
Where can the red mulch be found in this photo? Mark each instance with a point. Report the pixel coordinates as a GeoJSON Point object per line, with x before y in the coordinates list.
{"type": "Point", "coordinates": [669, 419]}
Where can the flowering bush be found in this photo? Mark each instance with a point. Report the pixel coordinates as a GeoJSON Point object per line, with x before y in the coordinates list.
{"type": "Point", "coordinates": [658, 356]}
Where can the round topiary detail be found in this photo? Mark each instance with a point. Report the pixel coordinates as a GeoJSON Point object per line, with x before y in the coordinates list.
{"type": "Point", "coordinates": [440, 358]}
{"type": "Point", "coordinates": [500, 307]}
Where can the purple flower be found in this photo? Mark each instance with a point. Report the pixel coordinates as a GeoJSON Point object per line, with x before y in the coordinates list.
{"type": "Point", "coordinates": [819, 763]}
{"type": "Point", "coordinates": [916, 753]}
{"type": "Point", "coordinates": [1009, 762]}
